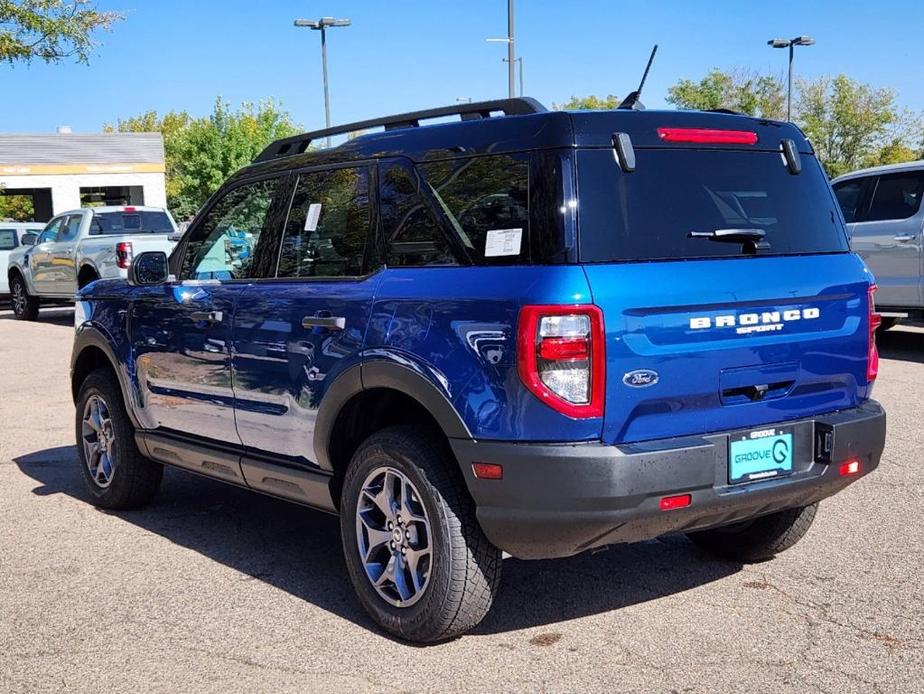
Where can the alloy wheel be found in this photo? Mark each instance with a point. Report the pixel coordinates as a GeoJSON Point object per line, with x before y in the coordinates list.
{"type": "Point", "coordinates": [99, 441]}
{"type": "Point", "coordinates": [393, 537]}
{"type": "Point", "coordinates": [19, 298]}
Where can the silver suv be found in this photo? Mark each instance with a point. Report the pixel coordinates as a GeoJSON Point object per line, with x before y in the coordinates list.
{"type": "Point", "coordinates": [885, 221]}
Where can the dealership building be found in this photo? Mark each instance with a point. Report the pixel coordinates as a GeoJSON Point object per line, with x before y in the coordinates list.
{"type": "Point", "coordinates": [65, 171]}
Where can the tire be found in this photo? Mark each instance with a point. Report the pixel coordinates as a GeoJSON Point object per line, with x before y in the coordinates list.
{"type": "Point", "coordinates": [25, 306]}
{"type": "Point", "coordinates": [888, 324]}
{"type": "Point", "coordinates": [759, 539]}
{"type": "Point", "coordinates": [463, 569]}
{"type": "Point", "coordinates": [132, 479]}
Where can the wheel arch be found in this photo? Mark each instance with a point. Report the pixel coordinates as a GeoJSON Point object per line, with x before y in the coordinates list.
{"type": "Point", "coordinates": [370, 397]}
{"type": "Point", "coordinates": [92, 351]}
{"type": "Point", "coordinates": [87, 268]}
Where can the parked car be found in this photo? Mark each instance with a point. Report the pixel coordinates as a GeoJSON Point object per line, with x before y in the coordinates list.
{"type": "Point", "coordinates": [12, 236]}
{"type": "Point", "coordinates": [885, 223]}
{"type": "Point", "coordinates": [525, 331]}
{"type": "Point", "coordinates": [81, 246]}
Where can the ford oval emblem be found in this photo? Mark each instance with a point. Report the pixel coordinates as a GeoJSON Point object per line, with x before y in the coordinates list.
{"type": "Point", "coordinates": [641, 378]}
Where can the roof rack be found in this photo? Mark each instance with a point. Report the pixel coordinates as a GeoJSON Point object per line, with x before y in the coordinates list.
{"type": "Point", "coordinates": [297, 144]}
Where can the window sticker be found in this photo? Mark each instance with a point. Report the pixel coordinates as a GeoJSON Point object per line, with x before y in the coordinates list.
{"type": "Point", "coordinates": [314, 214]}
{"type": "Point", "coordinates": [503, 242]}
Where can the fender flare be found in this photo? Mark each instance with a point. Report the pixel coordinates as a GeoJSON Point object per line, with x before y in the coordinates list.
{"type": "Point", "coordinates": [382, 374]}
{"type": "Point", "coordinates": [87, 335]}
{"type": "Point", "coordinates": [87, 264]}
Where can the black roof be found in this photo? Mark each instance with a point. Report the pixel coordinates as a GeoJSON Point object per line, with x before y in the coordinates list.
{"type": "Point", "coordinates": [523, 125]}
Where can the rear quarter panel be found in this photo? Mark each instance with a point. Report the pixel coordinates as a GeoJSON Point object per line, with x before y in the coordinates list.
{"type": "Point", "coordinates": [456, 327]}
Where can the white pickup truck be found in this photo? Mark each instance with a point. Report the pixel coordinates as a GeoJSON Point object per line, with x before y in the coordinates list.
{"type": "Point", "coordinates": [81, 246]}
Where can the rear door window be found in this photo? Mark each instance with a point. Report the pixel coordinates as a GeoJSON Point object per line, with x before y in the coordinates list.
{"type": "Point", "coordinates": [486, 202]}
{"type": "Point", "coordinates": [327, 231]}
{"type": "Point", "coordinates": [649, 214]}
{"type": "Point", "coordinates": [851, 195]}
{"type": "Point", "coordinates": [413, 236]}
{"type": "Point", "coordinates": [897, 196]}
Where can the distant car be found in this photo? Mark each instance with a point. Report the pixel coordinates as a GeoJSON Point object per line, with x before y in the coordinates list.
{"type": "Point", "coordinates": [14, 235]}
{"type": "Point", "coordinates": [82, 246]}
{"type": "Point", "coordinates": [885, 222]}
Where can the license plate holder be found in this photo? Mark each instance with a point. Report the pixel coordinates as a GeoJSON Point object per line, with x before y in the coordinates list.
{"type": "Point", "coordinates": [758, 455]}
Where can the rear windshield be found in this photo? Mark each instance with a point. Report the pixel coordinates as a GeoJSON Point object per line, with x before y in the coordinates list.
{"type": "Point", "coordinates": [7, 239]}
{"type": "Point", "coordinates": [648, 214]}
{"type": "Point", "coordinates": [139, 222]}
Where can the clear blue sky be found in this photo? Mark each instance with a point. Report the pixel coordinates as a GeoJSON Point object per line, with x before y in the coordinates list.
{"type": "Point", "coordinates": [408, 54]}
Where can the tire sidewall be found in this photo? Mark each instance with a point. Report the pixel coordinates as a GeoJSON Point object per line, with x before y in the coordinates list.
{"type": "Point", "coordinates": [402, 620]}
{"type": "Point", "coordinates": [28, 311]}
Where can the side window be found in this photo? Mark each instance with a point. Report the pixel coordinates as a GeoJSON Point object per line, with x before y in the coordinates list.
{"type": "Point", "coordinates": [897, 196]}
{"type": "Point", "coordinates": [486, 199]}
{"type": "Point", "coordinates": [69, 227]}
{"type": "Point", "coordinates": [849, 196]}
{"type": "Point", "coordinates": [222, 246]}
{"type": "Point", "coordinates": [328, 225]}
{"type": "Point", "coordinates": [412, 235]}
{"type": "Point", "coordinates": [50, 233]}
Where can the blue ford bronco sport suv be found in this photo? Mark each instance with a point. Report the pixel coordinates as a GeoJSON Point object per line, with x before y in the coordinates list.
{"type": "Point", "coordinates": [522, 331]}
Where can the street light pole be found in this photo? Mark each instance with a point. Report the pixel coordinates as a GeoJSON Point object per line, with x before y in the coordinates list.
{"type": "Point", "coordinates": [322, 26]}
{"type": "Point", "coordinates": [511, 51]}
{"type": "Point", "coordinates": [791, 45]}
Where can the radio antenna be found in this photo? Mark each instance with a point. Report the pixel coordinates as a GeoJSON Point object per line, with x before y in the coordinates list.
{"type": "Point", "coordinates": [632, 102]}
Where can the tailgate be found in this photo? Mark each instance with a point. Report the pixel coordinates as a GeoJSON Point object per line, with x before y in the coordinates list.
{"type": "Point", "coordinates": [709, 345]}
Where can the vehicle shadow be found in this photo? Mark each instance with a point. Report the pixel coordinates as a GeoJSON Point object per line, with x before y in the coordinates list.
{"type": "Point", "coordinates": [298, 550]}
{"type": "Point", "coordinates": [903, 345]}
{"type": "Point", "coordinates": [54, 316]}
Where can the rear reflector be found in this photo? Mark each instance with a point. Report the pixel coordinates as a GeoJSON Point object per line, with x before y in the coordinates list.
{"type": "Point", "coordinates": [669, 503]}
{"type": "Point", "coordinates": [875, 320]}
{"type": "Point", "coordinates": [707, 136]}
{"type": "Point", "coordinates": [851, 467]}
{"type": "Point", "coordinates": [488, 471]}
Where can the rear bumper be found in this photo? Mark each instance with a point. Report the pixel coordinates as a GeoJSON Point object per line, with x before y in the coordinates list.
{"type": "Point", "coordinates": [556, 500]}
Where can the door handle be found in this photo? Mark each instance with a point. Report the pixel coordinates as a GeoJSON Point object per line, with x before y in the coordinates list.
{"type": "Point", "coordinates": [905, 238]}
{"type": "Point", "coordinates": [206, 316]}
{"type": "Point", "coordinates": [329, 322]}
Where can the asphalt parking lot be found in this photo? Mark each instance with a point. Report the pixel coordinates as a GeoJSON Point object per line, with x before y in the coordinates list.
{"type": "Point", "coordinates": [213, 588]}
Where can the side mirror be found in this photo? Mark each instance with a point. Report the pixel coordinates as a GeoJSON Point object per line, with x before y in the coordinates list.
{"type": "Point", "coordinates": [29, 239]}
{"type": "Point", "coordinates": [148, 269]}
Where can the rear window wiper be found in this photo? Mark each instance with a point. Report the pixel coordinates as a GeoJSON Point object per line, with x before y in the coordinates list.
{"type": "Point", "coordinates": [753, 237]}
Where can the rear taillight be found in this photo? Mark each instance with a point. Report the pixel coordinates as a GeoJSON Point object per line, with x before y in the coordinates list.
{"type": "Point", "coordinates": [875, 320]}
{"type": "Point", "coordinates": [561, 357]}
{"type": "Point", "coordinates": [123, 254]}
{"type": "Point", "coordinates": [708, 136]}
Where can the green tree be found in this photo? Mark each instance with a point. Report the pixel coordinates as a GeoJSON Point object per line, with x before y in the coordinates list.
{"type": "Point", "coordinates": [201, 153]}
{"type": "Point", "coordinates": [19, 208]}
{"type": "Point", "coordinates": [737, 90]}
{"type": "Point", "coordinates": [849, 123]}
{"type": "Point", "coordinates": [589, 103]}
{"type": "Point", "coordinates": [50, 30]}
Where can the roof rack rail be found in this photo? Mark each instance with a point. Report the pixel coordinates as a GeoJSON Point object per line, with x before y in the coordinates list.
{"type": "Point", "coordinates": [297, 144]}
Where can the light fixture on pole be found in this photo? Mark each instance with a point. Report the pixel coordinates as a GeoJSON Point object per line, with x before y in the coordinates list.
{"type": "Point", "coordinates": [791, 45]}
{"type": "Point", "coordinates": [322, 25]}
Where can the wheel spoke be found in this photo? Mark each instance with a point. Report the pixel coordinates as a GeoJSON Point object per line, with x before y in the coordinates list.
{"type": "Point", "coordinates": [414, 557]}
{"type": "Point", "coordinates": [376, 536]}
{"type": "Point", "coordinates": [392, 522]}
